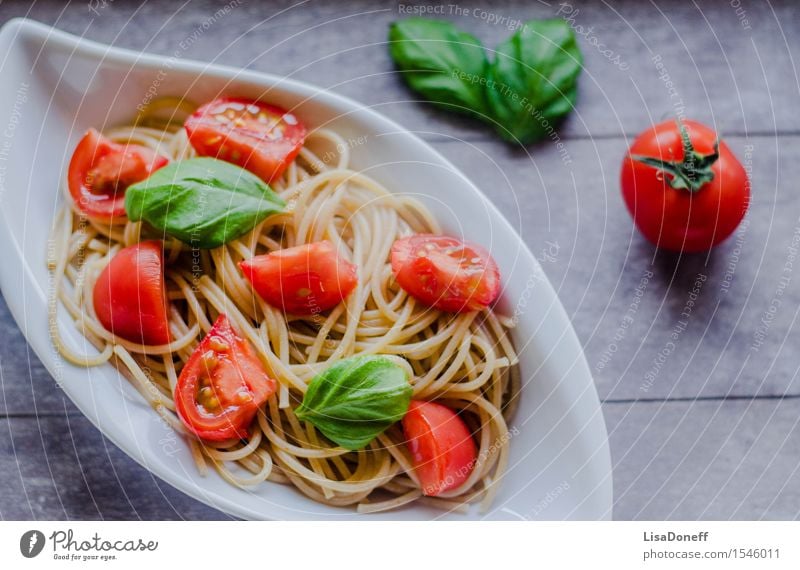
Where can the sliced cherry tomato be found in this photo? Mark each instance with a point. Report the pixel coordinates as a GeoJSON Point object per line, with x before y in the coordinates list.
{"type": "Point", "coordinates": [262, 138]}
{"type": "Point", "coordinates": [445, 273]}
{"type": "Point", "coordinates": [685, 193]}
{"type": "Point", "coordinates": [101, 170]}
{"type": "Point", "coordinates": [129, 296]}
{"type": "Point", "coordinates": [443, 450]}
{"type": "Point", "coordinates": [302, 280]}
{"type": "Point", "coordinates": [222, 385]}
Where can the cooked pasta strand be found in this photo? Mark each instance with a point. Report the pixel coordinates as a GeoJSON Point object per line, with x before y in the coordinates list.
{"type": "Point", "coordinates": [464, 360]}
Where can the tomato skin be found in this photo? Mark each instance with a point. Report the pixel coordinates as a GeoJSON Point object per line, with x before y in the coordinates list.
{"type": "Point", "coordinates": [129, 296]}
{"type": "Point", "coordinates": [100, 170]}
{"type": "Point", "coordinates": [261, 138]}
{"type": "Point", "coordinates": [302, 280]}
{"type": "Point", "coordinates": [678, 219]}
{"type": "Point", "coordinates": [446, 273]}
{"type": "Point", "coordinates": [236, 379]}
{"type": "Point", "coordinates": [441, 445]}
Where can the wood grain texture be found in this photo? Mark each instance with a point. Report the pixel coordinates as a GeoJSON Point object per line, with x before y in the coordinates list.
{"type": "Point", "coordinates": [60, 467]}
{"type": "Point", "coordinates": [718, 460]}
{"type": "Point", "coordinates": [728, 459]}
{"type": "Point", "coordinates": [693, 356]}
{"type": "Point", "coordinates": [655, 324]}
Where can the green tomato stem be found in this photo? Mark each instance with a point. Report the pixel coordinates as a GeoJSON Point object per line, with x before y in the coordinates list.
{"type": "Point", "coordinates": [691, 173]}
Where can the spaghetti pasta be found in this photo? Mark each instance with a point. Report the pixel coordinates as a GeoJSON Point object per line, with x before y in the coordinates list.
{"type": "Point", "coordinates": [465, 360]}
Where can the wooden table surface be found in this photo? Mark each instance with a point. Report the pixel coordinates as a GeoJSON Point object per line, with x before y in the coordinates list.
{"type": "Point", "coordinates": [704, 426]}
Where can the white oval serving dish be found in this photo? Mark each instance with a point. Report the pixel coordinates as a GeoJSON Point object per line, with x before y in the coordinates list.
{"type": "Point", "coordinates": [55, 85]}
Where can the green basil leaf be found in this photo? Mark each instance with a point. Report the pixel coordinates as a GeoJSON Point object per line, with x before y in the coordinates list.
{"type": "Point", "coordinates": [356, 399]}
{"type": "Point", "coordinates": [203, 202]}
{"type": "Point", "coordinates": [533, 80]}
{"type": "Point", "coordinates": [441, 62]}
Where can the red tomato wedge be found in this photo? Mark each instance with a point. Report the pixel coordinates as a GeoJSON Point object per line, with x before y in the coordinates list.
{"type": "Point", "coordinates": [262, 138]}
{"type": "Point", "coordinates": [445, 273]}
{"type": "Point", "coordinates": [129, 296]}
{"type": "Point", "coordinates": [443, 450]}
{"type": "Point", "coordinates": [101, 170]}
{"type": "Point", "coordinates": [222, 385]}
{"type": "Point", "coordinates": [302, 280]}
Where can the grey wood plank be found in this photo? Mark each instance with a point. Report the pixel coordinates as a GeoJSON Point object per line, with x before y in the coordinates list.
{"type": "Point", "coordinates": [741, 80]}
{"type": "Point", "coordinates": [62, 468]}
{"type": "Point", "coordinates": [673, 460]}
{"type": "Point", "coordinates": [738, 76]}
{"type": "Point", "coordinates": [26, 386]}
{"type": "Point", "coordinates": [655, 324]}
{"type": "Point", "coordinates": [706, 460]}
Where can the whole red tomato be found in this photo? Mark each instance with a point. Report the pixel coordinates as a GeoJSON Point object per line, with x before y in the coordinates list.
{"type": "Point", "coordinates": [684, 187]}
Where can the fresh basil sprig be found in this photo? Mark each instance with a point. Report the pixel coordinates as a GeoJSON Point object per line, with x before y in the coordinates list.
{"type": "Point", "coordinates": [356, 399]}
{"type": "Point", "coordinates": [441, 62]}
{"type": "Point", "coordinates": [524, 92]}
{"type": "Point", "coordinates": [203, 202]}
{"type": "Point", "coordinates": [542, 63]}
